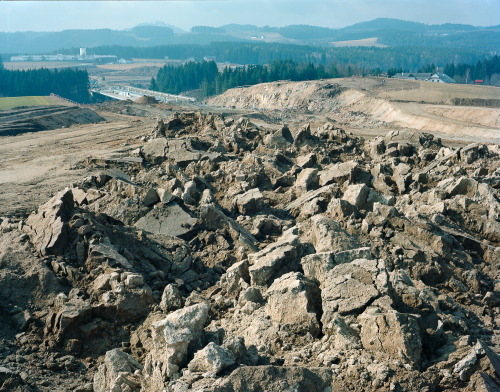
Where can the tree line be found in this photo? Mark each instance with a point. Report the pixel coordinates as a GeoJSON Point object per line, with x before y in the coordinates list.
{"type": "Point", "coordinates": [68, 83]}
{"type": "Point", "coordinates": [206, 77]}
{"type": "Point", "coordinates": [487, 70]}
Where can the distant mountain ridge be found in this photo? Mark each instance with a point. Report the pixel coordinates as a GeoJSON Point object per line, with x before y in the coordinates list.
{"type": "Point", "coordinates": [389, 32]}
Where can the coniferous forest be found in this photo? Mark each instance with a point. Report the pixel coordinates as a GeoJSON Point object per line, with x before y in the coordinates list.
{"type": "Point", "coordinates": [206, 77]}
{"type": "Point", "coordinates": [68, 83]}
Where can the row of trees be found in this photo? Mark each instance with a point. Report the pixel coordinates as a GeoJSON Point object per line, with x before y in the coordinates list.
{"type": "Point", "coordinates": [69, 83]}
{"type": "Point", "coordinates": [487, 70]}
{"type": "Point", "coordinates": [206, 77]}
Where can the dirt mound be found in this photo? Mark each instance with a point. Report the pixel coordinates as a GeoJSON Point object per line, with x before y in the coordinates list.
{"type": "Point", "coordinates": [227, 256]}
{"type": "Point", "coordinates": [355, 107]}
{"type": "Point", "coordinates": [42, 118]}
{"type": "Point", "coordinates": [146, 100]}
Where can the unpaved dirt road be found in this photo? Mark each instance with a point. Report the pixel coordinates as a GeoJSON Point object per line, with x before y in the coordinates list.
{"type": "Point", "coordinates": [35, 165]}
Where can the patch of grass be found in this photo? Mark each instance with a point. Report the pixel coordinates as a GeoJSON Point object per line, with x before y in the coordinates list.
{"type": "Point", "coordinates": [12, 102]}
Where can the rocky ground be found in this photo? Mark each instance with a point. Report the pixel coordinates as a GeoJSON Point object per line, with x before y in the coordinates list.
{"type": "Point", "coordinates": [223, 255]}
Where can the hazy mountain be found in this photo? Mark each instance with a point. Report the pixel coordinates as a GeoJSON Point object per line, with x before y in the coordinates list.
{"type": "Point", "coordinates": [175, 29]}
{"type": "Point", "coordinates": [390, 32]}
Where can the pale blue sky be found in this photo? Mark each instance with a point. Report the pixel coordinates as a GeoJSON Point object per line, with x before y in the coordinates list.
{"type": "Point", "coordinates": [61, 15]}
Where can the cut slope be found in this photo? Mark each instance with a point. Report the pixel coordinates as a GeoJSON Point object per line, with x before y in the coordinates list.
{"type": "Point", "coordinates": [40, 118]}
{"type": "Point", "coordinates": [362, 108]}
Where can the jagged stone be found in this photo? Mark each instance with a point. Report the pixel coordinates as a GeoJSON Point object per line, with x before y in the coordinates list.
{"type": "Point", "coordinates": [250, 202]}
{"type": "Point", "coordinates": [171, 220]}
{"type": "Point", "coordinates": [328, 235]}
{"type": "Point", "coordinates": [117, 373]}
{"type": "Point", "coordinates": [294, 303]}
{"type": "Point", "coordinates": [171, 298]}
{"type": "Point", "coordinates": [48, 228]}
{"type": "Point", "coordinates": [171, 338]}
{"type": "Point", "coordinates": [212, 358]}
{"type": "Point", "coordinates": [396, 334]}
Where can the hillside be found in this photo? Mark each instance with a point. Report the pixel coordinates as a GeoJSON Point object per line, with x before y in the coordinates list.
{"type": "Point", "coordinates": [390, 32]}
{"type": "Point", "coordinates": [367, 103]}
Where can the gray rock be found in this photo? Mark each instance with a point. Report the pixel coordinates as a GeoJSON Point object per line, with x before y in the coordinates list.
{"type": "Point", "coordinates": [277, 378]}
{"type": "Point", "coordinates": [212, 358]}
{"type": "Point", "coordinates": [328, 235]}
{"type": "Point", "coordinates": [214, 219]}
{"type": "Point", "coordinates": [294, 303]}
{"type": "Point", "coordinates": [171, 220]}
{"type": "Point", "coordinates": [249, 202]}
{"type": "Point", "coordinates": [117, 373]}
{"type": "Point", "coordinates": [48, 228]}
{"type": "Point", "coordinates": [230, 280]}
{"type": "Point", "coordinates": [357, 195]}
{"type": "Point", "coordinates": [341, 172]}
{"type": "Point", "coordinates": [171, 338]}
{"type": "Point", "coordinates": [273, 264]}
{"type": "Point", "coordinates": [307, 180]}
{"type": "Point", "coordinates": [151, 197]}
{"type": "Point", "coordinates": [171, 298]}
{"type": "Point", "coordinates": [394, 333]}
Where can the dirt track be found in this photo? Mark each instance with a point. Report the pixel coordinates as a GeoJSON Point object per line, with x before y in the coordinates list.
{"type": "Point", "coordinates": [35, 165]}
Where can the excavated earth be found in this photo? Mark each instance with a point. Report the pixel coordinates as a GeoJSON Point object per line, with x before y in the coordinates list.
{"type": "Point", "coordinates": [35, 119]}
{"type": "Point", "coordinates": [207, 252]}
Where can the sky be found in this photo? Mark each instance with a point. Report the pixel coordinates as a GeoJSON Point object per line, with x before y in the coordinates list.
{"type": "Point", "coordinates": [62, 15]}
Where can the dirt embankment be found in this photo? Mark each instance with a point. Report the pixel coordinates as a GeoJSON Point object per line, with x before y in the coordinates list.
{"type": "Point", "coordinates": [362, 108]}
{"type": "Point", "coordinates": [488, 103]}
{"type": "Point", "coordinates": [42, 118]}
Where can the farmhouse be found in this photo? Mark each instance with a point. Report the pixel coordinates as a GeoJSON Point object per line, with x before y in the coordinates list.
{"type": "Point", "coordinates": [426, 77]}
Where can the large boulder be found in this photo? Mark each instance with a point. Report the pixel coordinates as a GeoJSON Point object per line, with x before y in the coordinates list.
{"type": "Point", "coordinates": [48, 228]}
{"type": "Point", "coordinates": [341, 172]}
{"type": "Point", "coordinates": [277, 378]}
{"type": "Point", "coordinates": [294, 303]}
{"type": "Point", "coordinates": [117, 373]}
{"type": "Point", "coordinates": [348, 289]}
{"type": "Point", "coordinates": [275, 260]}
{"type": "Point", "coordinates": [393, 333]}
{"type": "Point", "coordinates": [171, 338]}
{"type": "Point", "coordinates": [250, 202]}
{"type": "Point", "coordinates": [328, 235]}
{"type": "Point", "coordinates": [171, 220]}
{"type": "Point", "coordinates": [212, 358]}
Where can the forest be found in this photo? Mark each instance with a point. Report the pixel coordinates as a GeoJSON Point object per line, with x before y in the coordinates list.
{"type": "Point", "coordinates": [244, 53]}
{"type": "Point", "coordinates": [68, 83]}
{"type": "Point", "coordinates": [206, 77]}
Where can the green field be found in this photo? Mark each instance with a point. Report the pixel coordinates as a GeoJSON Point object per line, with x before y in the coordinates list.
{"type": "Point", "coordinates": [12, 102]}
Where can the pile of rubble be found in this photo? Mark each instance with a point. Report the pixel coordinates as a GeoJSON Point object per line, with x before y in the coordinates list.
{"type": "Point", "coordinates": [227, 257]}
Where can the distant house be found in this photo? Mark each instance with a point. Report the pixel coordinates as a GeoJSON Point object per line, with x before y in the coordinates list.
{"type": "Point", "coordinates": [478, 81]}
{"type": "Point", "coordinates": [412, 76]}
{"type": "Point", "coordinates": [441, 78]}
{"type": "Point", "coordinates": [425, 77]}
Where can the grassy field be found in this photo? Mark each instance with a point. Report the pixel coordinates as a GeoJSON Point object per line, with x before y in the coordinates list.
{"type": "Point", "coordinates": [12, 102]}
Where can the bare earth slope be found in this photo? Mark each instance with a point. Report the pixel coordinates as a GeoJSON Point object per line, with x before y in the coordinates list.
{"type": "Point", "coordinates": [39, 118]}
{"type": "Point", "coordinates": [361, 107]}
